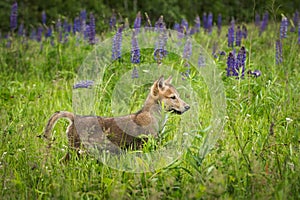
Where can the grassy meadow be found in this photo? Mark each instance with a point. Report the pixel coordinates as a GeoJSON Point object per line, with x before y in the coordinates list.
{"type": "Point", "coordinates": [257, 155]}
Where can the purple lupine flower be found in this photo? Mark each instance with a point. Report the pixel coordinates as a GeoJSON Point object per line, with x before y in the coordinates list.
{"type": "Point", "coordinates": [117, 44]}
{"type": "Point", "coordinates": [176, 27]}
{"type": "Point", "coordinates": [48, 33]}
{"type": "Point", "coordinates": [204, 20]}
{"type": "Point", "coordinates": [83, 22]}
{"type": "Point", "coordinates": [197, 24]}
{"type": "Point", "coordinates": [44, 17]}
{"type": "Point", "coordinates": [283, 27]}
{"type": "Point", "coordinates": [92, 30]}
{"type": "Point", "coordinates": [83, 84]}
{"type": "Point", "coordinates": [113, 21]}
{"type": "Point", "coordinates": [14, 16]}
{"type": "Point", "coordinates": [137, 21]}
{"type": "Point", "coordinates": [240, 61]}
{"type": "Point", "coordinates": [295, 21]}
{"type": "Point", "coordinates": [135, 73]}
{"type": "Point", "coordinates": [21, 29]}
{"type": "Point", "coordinates": [231, 65]}
{"type": "Point", "coordinates": [86, 32]}
{"type": "Point", "coordinates": [278, 55]}
{"type": "Point", "coordinates": [185, 25]}
{"type": "Point", "coordinates": [32, 35]}
{"type": "Point", "coordinates": [201, 60]}
{"type": "Point", "coordinates": [187, 52]}
{"type": "Point", "coordinates": [135, 50]}
{"type": "Point", "coordinates": [230, 34]}
{"type": "Point", "coordinates": [264, 23]}
{"type": "Point", "coordinates": [209, 23]}
{"type": "Point", "coordinates": [39, 34]}
{"type": "Point", "coordinates": [160, 28]}
{"type": "Point", "coordinates": [219, 24]}
{"type": "Point", "coordinates": [238, 36]}
{"type": "Point", "coordinates": [257, 19]}
{"type": "Point", "coordinates": [66, 27]}
{"type": "Point", "coordinates": [298, 32]}
{"type": "Point", "coordinates": [245, 32]}
{"type": "Point", "coordinates": [256, 73]}
{"type": "Point", "coordinates": [222, 53]}
{"type": "Point", "coordinates": [76, 26]}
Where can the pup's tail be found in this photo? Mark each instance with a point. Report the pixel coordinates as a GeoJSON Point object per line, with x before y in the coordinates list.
{"type": "Point", "coordinates": [53, 119]}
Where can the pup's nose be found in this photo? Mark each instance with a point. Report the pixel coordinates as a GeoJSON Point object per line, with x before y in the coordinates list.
{"type": "Point", "coordinates": [186, 107]}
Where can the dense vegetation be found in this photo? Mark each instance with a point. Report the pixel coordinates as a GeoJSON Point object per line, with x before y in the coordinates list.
{"type": "Point", "coordinates": [256, 155]}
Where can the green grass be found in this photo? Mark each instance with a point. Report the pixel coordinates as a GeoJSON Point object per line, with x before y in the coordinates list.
{"type": "Point", "coordinates": [256, 157]}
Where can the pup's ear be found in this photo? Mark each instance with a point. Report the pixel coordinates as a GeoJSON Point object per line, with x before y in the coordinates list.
{"type": "Point", "coordinates": [169, 80]}
{"type": "Point", "coordinates": [158, 85]}
{"type": "Point", "coordinates": [161, 83]}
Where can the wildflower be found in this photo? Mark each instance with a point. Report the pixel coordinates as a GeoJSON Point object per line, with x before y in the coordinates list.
{"type": "Point", "coordinates": [197, 24]}
{"type": "Point", "coordinates": [230, 34]}
{"type": "Point", "coordinates": [256, 73]}
{"type": "Point", "coordinates": [117, 44]}
{"type": "Point", "coordinates": [238, 36]}
{"type": "Point", "coordinates": [209, 22]}
{"type": "Point", "coordinates": [32, 35]}
{"type": "Point", "coordinates": [137, 22]}
{"type": "Point", "coordinates": [14, 16]}
{"type": "Point", "coordinates": [83, 22]}
{"type": "Point", "coordinates": [76, 26]}
{"type": "Point", "coordinates": [113, 21]}
{"type": "Point", "coordinates": [66, 26]}
{"type": "Point", "coordinates": [44, 17]}
{"type": "Point", "coordinates": [160, 44]}
{"type": "Point", "coordinates": [299, 33]}
{"type": "Point", "coordinates": [201, 60]}
{"type": "Point", "coordinates": [240, 61]}
{"type": "Point", "coordinates": [283, 27]}
{"type": "Point", "coordinates": [219, 24]}
{"type": "Point", "coordinates": [48, 33]}
{"type": "Point", "coordinates": [135, 73]}
{"type": "Point", "coordinates": [21, 30]}
{"type": "Point", "coordinates": [135, 50]}
{"type": "Point", "coordinates": [187, 52]}
{"type": "Point", "coordinates": [176, 27]}
{"type": "Point", "coordinates": [231, 65]}
{"type": "Point", "coordinates": [204, 19]}
{"type": "Point", "coordinates": [244, 31]}
{"type": "Point", "coordinates": [278, 55]}
{"type": "Point", "coordinates": [264, 23]}
{"type": "Point", "coordinates": [92, 30]}
{"type": "Point", "coordinates": [185, 25]}
{"type": "Point", "coordinates": [39, 34]}
{"type": "Point", "coordinates": [257, 19]}
{"type": "Point", "coordinates": [83, 84]}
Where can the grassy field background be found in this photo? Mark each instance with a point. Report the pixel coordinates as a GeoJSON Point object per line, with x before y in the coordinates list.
{"type": "Point", "coordinates": [256, 157]}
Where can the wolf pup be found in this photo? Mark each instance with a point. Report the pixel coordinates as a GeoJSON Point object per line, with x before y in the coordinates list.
{"type": "Point", "coordinates": [123, 131]}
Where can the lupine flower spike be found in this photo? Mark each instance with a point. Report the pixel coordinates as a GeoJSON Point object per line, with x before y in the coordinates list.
{"type": "Point", "coordinates": [92, 30]}
{"type": "Point", "coordinates": [219, 24]}
{"type": "Point", "coordinates": [209, 23]}
{"type": "Point", "coordinates": [283, 27]}
{"type": "Point", "coordinates": [278, 55]}
{"type": "Point", "coordinates": [83, 84]}
{"type": "Point", "coordinates": [230, 34]}
{"type": "Point", "coordinates": [14, 16]}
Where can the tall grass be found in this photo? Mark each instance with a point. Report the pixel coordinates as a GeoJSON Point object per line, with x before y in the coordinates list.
{"type": "Point", "coordinates": [256, 157]}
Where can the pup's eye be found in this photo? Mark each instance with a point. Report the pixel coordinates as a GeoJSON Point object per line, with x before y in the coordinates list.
{"type": "Point", "coordinates": [173, 97]}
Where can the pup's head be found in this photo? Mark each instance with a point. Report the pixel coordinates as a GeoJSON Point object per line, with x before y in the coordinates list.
{"type": "Point", "coordinates": [167, 95]}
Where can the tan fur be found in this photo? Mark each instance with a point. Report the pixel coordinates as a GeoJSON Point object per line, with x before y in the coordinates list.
{"type": "Point", "coordinates": [123, 131]}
